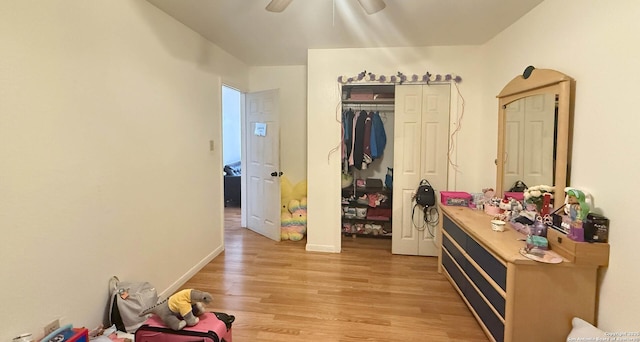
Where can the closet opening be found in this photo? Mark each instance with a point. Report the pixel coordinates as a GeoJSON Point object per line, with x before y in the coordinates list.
{"type": "Point", "coordinates": [395, 136]}
{"type": "Point", "coordinates": [367, 166]}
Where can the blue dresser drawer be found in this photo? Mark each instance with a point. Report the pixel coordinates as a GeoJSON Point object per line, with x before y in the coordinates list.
{"type": "Point", "coordinates": [490, 292]}
{"type": "Point", "coordinates": [482, 309]}
{"type": "Point", "coordinates": [493, 296]}
{"type": "Point", "coordinates": [454, 272]}
{"type": "Point", "coordinates": [488, 317]}
{"type": "Point", "coordinates": [455, 252]}
{"type": "Point", "coordinates": [494, 268]}
{"type": "Point", "coordinates": [455, 232]}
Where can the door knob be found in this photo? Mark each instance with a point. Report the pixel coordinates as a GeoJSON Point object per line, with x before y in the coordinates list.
{"type": "Point", "coordinates": [276, 174]}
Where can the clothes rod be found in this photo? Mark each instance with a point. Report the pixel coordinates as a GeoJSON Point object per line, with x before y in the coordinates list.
{"type": "Point", "coordinates": [368, 106]}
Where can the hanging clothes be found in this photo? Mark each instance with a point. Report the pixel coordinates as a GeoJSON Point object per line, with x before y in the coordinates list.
{"type": "Point", "coordinates": [347, 122]}
{"type": "Point", "coordinates": [352, 134]}
{"type": "Point", "coordinates": [366, 148]}
{"type": "Point", "coordinates": [357, 153]}
{"type": "Point", "coordinates": [363, 138]}
{"type": "Point", "coordinates": [378, 136]}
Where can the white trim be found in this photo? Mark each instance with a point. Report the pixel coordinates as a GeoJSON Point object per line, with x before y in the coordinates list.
{"type": "Point", "coordinates": [195, 269]}
{"type": "Point", "coordinates": [322, 248]}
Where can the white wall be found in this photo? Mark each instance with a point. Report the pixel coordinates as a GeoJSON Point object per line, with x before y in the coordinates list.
{"type": "Point", "coordinates": [106, 112]}
{"type": "Point", "coordinates": [292, 84]}
{"type": "Point", "coordinates": [595, 42]}
{"type": "Point", "coordinates": [323, 129]}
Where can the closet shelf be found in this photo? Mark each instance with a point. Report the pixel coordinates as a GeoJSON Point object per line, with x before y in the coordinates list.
{"type": "Point", "coordinates": [366, 190]}
{"type": "Point", "coordinates": [386, 205]}
{"type": "Point", "coordinates": [379, 236]}
{"type": "Point", "coordinates": [381, 102]}
{"type": "Point", "coordinates": [356, 219]}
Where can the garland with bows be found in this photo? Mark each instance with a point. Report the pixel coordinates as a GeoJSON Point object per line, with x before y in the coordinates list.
{"type": "Point", "coordinates": [399, 78]}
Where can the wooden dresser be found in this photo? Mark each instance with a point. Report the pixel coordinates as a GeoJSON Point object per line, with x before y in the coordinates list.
{"type": "Point", "coordinates": [516, 299]}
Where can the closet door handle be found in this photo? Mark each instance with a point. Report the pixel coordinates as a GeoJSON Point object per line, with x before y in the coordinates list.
{"type": "Point", "coordinates": [276, 174]}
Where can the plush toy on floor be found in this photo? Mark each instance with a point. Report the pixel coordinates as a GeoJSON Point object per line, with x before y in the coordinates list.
{"type": "Point", "coordinates": [181, 309]}
{"type": "Point", "coordinates": [294, 222]}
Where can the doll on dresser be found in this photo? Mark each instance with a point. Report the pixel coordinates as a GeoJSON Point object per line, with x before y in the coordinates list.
{"type": "Point", "coordinates": [577, 209]}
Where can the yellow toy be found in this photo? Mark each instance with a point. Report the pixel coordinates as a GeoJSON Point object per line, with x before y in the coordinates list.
{"type": "Point", "coordinates": [294, 222]}
{"type": "Point", "coordinates": [181, 309]}
{"type": "Point", "coordinates": [299, 190]}
{"type": "Point", "coordinates": [293, 209]}
{"type": "Point", "coordinates": [286, 194]}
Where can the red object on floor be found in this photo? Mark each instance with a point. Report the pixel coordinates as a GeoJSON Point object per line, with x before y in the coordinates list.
{"type": "Point", "coordinates": [208, 329]}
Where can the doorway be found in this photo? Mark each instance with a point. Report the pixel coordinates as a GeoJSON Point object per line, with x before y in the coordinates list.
{"type": "Point", "coordinates": [251, 158]}
{"type": "Point", "coordinates": [232, 146]}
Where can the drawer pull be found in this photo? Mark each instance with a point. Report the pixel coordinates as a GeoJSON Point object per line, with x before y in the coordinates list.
{"type": "Point", "coordinates": [559, 239]}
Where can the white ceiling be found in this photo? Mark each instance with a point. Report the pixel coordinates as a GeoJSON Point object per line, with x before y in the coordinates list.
{"type": "Point", "coordinates": [259, 38]}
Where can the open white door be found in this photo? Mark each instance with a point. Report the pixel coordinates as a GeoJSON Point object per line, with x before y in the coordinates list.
{"type": "Point", "coordinates": [421, 147]}
{"type": "Point", "coordinates": [262, 132]}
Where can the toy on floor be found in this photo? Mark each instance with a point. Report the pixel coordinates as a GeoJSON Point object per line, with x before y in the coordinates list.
{"type": "Point", "coordinates": [181, 309]}
{"type": "Point", "coordinates": [294, 222]}
{"type": "Point", "coordinates": [293, 214]}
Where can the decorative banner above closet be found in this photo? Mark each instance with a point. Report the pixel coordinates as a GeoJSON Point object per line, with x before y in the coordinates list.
{"type": "Point", "coordinates": [400, 78]}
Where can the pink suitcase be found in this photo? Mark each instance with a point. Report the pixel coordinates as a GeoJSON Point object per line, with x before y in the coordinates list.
{"type": "Point", "coordinates": [213, 327]}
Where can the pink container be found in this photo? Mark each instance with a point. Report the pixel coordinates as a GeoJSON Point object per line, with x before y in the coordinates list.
{"type": "Point", "coordinates": [455, 198]}
{"type": "Point", "coordinates": [518, 196]}
{"type": "Point", "coordinates": [491, 210]}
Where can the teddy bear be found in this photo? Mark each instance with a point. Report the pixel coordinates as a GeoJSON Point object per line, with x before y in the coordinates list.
{"type": "Point", "coordinates": [181, 309]}
{"type": "Point", "coordinates": [294, 221]}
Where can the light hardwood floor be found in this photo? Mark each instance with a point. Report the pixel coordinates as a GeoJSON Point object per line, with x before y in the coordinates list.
{"type": "Point", "coordinates": [279, 292]}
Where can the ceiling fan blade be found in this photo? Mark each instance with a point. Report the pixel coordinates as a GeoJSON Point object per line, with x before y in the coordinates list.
{"type": "Point", "coordinates": [372, 6]}
{"type": "Point", "coordinates": [278, 5]}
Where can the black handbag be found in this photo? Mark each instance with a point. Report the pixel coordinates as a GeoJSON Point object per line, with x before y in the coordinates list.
{"type": "Point", "coordinates": [425, 195]}
{"type": "Point", "coordinates": [518, 186]}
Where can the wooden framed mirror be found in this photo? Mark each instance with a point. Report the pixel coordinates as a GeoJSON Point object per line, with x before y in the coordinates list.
{"type": "Point", "coordinates": [534, 131]}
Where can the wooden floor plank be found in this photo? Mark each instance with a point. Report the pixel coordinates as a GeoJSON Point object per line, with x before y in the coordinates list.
{"type": "Point", "coordinates": [279, 292]}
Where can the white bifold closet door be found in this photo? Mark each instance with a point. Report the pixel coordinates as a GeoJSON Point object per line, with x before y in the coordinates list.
{"type": "Point", "coordinates": [421, 146]}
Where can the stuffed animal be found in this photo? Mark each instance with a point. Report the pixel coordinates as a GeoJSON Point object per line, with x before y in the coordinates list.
{"type": "Point", "coordinates": [181, 309]}
{"type": "Point", "coordinates": [286, 194]}
{"type": "Point", "coordinates": [294, 223]}
{"type": "Point", "coordinates": [299, 190]}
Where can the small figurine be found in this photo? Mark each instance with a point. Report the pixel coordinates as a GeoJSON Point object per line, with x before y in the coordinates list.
{"type": "Point", "coordinates": [578, 207]}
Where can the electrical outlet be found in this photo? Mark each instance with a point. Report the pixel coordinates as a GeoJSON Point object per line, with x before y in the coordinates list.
{"type": "Point", "coordinates": [51, 327]}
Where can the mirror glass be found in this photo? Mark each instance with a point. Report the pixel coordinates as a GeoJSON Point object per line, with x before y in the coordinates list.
{"type": "Point", "coordinates": [534, 116]}
{"type": "Point", "coordinates": [530, 126]}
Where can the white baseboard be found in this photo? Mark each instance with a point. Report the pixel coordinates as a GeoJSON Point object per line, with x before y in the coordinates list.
{"type": "Point", "coordinates": [195, 269]}
{"type": "Point", "coordinates": [322, 248]}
